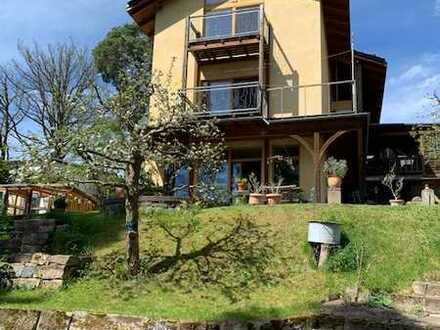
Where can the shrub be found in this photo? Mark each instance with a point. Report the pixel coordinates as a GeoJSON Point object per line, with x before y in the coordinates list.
{"type": "Point", "coordinates": [6, 274]}
{"type": "Point", "coordinates": [211, 195]}
{"type": "Point", "coordinates": [345, 260]}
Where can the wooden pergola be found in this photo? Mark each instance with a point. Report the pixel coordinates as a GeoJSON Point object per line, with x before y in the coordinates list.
{"type": "Point", "coordinates": [18, 198]}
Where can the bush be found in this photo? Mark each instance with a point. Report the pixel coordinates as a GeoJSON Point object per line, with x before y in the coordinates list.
{"type": "Point", "coordinates": [6, 274]}
{"type": "Point", "coordinates": [211, 195]}
{"type": "Point", "coordinates": [345, 260]}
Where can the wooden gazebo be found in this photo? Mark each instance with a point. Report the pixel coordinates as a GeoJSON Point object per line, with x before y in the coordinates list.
{"type": "Point", "coordinates": [28, 199]}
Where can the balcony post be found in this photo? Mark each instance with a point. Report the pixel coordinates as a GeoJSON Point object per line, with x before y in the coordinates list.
{"type": "Point", "coordinates": [261, 77]}
{"type": "Point", "coordinates": [185, 55]}
{"type": "Point", "coordinates": [353, 76]}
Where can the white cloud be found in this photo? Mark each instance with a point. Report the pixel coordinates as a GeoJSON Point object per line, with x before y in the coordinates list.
{"type": "Point", "coordinates": [408, 93]}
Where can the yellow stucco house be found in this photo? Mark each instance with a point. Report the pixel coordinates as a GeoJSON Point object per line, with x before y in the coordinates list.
{"type": "Point", "coordinates": [281, 75]}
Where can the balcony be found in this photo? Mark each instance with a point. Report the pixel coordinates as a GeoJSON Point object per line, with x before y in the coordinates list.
{"type": "Point", "coordinates": [403, 166]}
{"type": "Point", "coordinates": [228, 34]}
{"type": "Point", "coordinates": [220, 99]}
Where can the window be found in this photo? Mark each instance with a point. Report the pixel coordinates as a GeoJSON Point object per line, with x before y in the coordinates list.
{"type": "Point", "coordinates": [245, 162]}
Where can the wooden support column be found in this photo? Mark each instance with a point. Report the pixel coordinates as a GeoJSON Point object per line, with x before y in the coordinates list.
{"type": "Point", "coordinates": [185, 55]}
{"type": "Point", "coordinates": [317, 164]}
{"type": "Point", "coordinates": [264, 157]}
{"type": "Point", "coordinates": [230, 171]}
{"type": "Point", "coordinates": [361, 163]}
{"type": "Point", "coordinates": [5, 202]}
{"type": "Point", "coordinates": [28, 204]}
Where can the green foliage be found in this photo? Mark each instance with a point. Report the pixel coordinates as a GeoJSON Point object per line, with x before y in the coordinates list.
{"type": "Point", "coordinates": [5, 172]}
{"type": "Point", "coordinates": [344, 260]}
{"type": "Point", "coordinates": [211, 195]}
{"type": "Point", "coordinates": [122, 47]}
{"type": "Point", "coordinates": [335, 167]}
{"type": "Point", "coordinates": [428, 136]}
{"type": "Point", "coordinates": [380, 299]}
{"type": "Point", "coordinates": [6, 274]}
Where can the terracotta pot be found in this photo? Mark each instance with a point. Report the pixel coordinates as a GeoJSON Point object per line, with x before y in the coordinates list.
{"type": "Point", "coordinates": [257, 199]}
{"type": "Point", "coordinates": [397, 202]}
{"type": "Point", "coordinates": [273, 199]}
{"type": "Point", "coordinates": [334, 181]}
{"type": "Point", "coordinates": [242, 186]}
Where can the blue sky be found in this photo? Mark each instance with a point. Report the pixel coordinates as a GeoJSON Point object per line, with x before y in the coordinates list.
{"type": "Point", "coordinates": [406, 32]}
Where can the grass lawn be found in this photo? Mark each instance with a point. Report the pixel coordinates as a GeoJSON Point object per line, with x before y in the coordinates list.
{"type": "Point", "coordinates": [400, 244]}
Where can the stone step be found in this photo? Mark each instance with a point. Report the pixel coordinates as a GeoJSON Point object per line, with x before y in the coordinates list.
{"type": "Point", "coordinates": [426, 289]}
{"type": "Point", "coordinates": [418, 303]}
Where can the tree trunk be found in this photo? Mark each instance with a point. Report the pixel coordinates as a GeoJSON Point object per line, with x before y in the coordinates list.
{"type": "Point", "coordinates": [132, 216]}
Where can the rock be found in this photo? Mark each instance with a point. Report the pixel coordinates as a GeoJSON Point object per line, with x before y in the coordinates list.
{"type": "Point", "coordinates": [51, 284]}
{"type": "Point", "coordinates": [18, 320]}
{"type": "Point", "coordinates": [356, 295]}
{"type": "Point", "coordinates": [419, 288]}
{"type": "Point", "coordinates": [28, 271]}
{"type": "Point", "coordinates": [83, 321]}
{"type": "Point", "coordinates": [40, 259]}
{"type": "Point", "coordinates": [62, 260]}
{"type": "Point", "coordinates": [51, 272]}
{"type": "Point", "coordinates": [27, 283]}
{"type": "Point", "coordinates": [53, 321]}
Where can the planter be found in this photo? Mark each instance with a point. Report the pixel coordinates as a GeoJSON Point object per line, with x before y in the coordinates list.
{"type": "Point", "coordinates": [273, 199]}
{"type": "Point", "coordinates": [397, 202]}
{"type": "Point", "coordinates": [242, 186]}
{"type": "Point", "coordinates": [334, 181]}
{"type": "Point", "coordinates": [257, 199]}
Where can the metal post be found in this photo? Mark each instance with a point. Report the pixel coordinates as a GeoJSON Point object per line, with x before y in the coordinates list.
{"type": "Point", "coordinates": [353, 75]}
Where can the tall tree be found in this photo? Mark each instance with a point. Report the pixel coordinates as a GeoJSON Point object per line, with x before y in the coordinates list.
{"type": "Point", "coordinates": [143, 123]}
{"type": "Point", "coordinates": [55, 91]}
{"type": "Point", "coordinates": [10, 116]}
{"type": "Point", "coordinates": [124, 46]}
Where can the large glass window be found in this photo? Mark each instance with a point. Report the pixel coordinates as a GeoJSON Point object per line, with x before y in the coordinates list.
{"type": "Point", "coordinates": [245, 162]}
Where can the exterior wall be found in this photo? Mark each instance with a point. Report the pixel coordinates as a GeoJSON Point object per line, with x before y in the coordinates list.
{"type": "Point", "coordinates": [296, 56]}
{"type": "Point", "coordinates": [298, 52]}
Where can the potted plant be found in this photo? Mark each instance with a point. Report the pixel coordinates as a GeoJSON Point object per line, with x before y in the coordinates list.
{"type": "Point", "coordinates": [242, 184]}
{"type": "Point", "coordinates": [335, 170]}
{"type": "Point", "coordinates": [395, 185]}
{"type": "Point", "coordinates": [257, 196]}
{"type": "Point", "coordinates": [275, 196]}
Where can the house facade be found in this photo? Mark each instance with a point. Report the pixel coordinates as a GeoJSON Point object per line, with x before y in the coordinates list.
{"type": "Point", "coordinates": [282, 77]}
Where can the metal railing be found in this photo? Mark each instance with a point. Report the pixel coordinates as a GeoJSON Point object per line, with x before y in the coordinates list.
{"type": "Point", "coordinates": [300, 100]}
{"type": "Point", "coordinates": [226, 99]}
{"type": "Point", "coordinates": [403, 165]}
{"type": "Point", "coordinates": [228, 24]}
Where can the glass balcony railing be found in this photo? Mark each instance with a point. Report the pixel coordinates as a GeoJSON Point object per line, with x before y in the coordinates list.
{"type": "Point", "coordinates": [227, 24]}
{"type": "Point", "coordinates": [220, 99]}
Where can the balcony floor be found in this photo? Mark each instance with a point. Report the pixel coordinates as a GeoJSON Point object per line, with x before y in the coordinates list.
{"type": "Point", "coordinates": [208, 50]}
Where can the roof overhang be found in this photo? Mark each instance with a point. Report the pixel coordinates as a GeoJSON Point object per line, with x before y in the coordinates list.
{"type": "Point", "coordinates": [337, 25]}
{"type": "Point", "coordinates": [144, 12]}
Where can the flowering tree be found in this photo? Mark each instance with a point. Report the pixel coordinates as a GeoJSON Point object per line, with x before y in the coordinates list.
{"type": "Point", "coordinates": [140, 124]}
{"type": "Point", "coordinates": [428, 136]}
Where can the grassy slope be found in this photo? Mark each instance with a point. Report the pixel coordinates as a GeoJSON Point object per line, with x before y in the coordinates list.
{"type": "Point", "coordinates": [403, 244]}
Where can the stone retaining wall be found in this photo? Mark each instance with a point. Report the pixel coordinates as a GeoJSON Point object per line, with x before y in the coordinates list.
{"type": "Point", "coordinates": [43, 270]}
{"type": "Point", "coordinates": [24, 320]}
{"type": "Point", "coordinates": [31, 235]}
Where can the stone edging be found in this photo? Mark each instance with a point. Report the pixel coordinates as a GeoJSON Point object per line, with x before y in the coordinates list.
{"type": "Point", "coordinates": [51, 320]}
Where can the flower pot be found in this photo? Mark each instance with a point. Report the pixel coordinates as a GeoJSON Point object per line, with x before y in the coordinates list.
{"type": "Point", "coordinates": [242, 186]}
{"type": "Point", "coordinates": [397, 202]}
{"type": "Point", "coordinates": [273, 199]}
{"type": "Point", "coordinates": [334, 181]}
{"type": "Point", "coordinates": [257, 199]}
